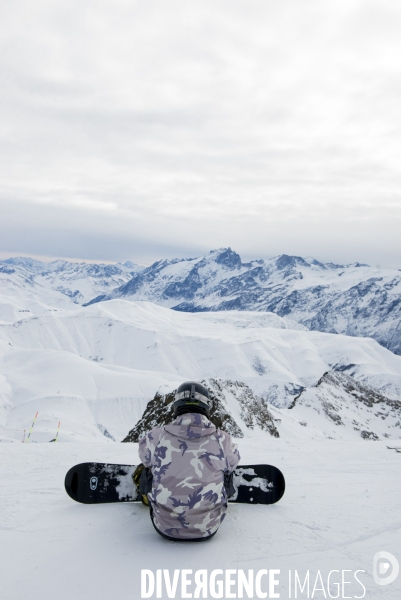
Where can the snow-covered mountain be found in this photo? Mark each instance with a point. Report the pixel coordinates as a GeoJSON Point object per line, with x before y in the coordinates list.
{"type": "Point", "coordinates": [351, 299]}
{"type": "Point", "coordinates": [31, 287]}
{"type": "Point", "coordinates": [96, 368]}
{"type": "Point", "coordinates": [336, 407]}
{"type": "Point", "coordinates": [355, 300]}
{"type": "Point", "coordinates": [338, 404]}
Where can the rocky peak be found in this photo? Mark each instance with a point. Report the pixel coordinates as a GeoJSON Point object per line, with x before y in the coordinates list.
{"type": "Point", "coordinates": [253, 409]}
{"type": "Point", "coordinates": [285, 262]}
{"type": "Point", "coordinates": [340, 404]}
{"type": "Point", "coordinates": [229, 258]}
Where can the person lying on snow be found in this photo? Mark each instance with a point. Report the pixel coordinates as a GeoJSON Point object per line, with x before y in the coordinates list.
{"type": "Point", "coordinates": [187, 470]}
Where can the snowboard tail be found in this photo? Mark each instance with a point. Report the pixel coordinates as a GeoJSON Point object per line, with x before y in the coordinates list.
{"type": "Point", "coordinates": [98, 483]}
{"type": "Point", "coordinates": [257, 484]}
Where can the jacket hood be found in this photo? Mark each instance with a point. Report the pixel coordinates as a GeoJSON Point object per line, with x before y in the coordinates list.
{"type": "Point", "coordinates": [190, 426]}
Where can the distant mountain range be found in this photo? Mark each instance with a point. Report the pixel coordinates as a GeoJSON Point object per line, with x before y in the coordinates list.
{"type": "Point", "coordinates": [354, 299]}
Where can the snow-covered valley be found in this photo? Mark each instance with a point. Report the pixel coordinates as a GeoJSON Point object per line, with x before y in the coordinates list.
{"type": "Point", "coordinates": [95, 368]}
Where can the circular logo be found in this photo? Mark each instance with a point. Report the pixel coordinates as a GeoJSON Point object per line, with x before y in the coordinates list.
{"type": "Point", "coordinates": [382, 561]}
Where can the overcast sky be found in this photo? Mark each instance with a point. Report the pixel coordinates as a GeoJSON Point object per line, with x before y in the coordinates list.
{"type": "Point", "coordinates": [140, 130]}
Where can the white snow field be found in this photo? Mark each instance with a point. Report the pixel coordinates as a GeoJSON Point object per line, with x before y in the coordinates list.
{"type": "Point", "coordinates": [95, 368]}
{"type": "Point", "coordinates": [342, 505]}
{"type": "Point", "coordinates": [30, 287]}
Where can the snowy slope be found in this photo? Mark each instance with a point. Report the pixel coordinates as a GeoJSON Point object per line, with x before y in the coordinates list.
{"type": "Point", "coordinates": [21, 295]}
{"type": "Point", "coordinates": [97, 367]}
{"type": "Point", "coordinates": [341, 506]}
{"type": "Point", "coordinates": [30, 287]}
{"type": "Point", "coordinates": [85, 396]}
{"type": "Point", "coordinates": [339, 406]}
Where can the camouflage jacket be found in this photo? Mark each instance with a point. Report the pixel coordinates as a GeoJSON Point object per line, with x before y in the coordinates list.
{"type": "Point", "coordinates": [188, 459]}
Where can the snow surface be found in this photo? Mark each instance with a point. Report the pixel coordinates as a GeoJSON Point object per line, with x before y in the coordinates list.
{"type": "Point", "coordinates": [96, 367]}
{"type": "Point", "coordinates": [29, 287]}
{"type": "Point", "coordinates": [342, 505]}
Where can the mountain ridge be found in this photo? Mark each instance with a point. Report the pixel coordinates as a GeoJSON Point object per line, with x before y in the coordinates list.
{"type": "Point", "coordinates": [96, 369]}
{"type": "Point", "coordinates": [353, 299]}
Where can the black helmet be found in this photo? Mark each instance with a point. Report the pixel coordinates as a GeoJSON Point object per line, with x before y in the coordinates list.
{"type": "Point", "coordinates": [192, 397]}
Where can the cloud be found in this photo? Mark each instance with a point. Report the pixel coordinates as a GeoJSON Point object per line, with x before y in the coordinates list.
{"type": "Point", "coordinates": [143, 130]}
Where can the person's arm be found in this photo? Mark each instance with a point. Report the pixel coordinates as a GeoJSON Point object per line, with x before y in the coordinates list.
{"type": "Point", "coordinates": [145, 451]}
{"type": "Point", "coordinates": [231, 453]}
{"type": "Point", "coordinates": [147, 445]}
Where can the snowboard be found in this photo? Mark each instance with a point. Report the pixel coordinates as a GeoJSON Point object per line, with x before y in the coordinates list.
{"type": "Point", "coordinates": [396, 448]}
{"type": "Point", "coordinates": [97, 483]}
